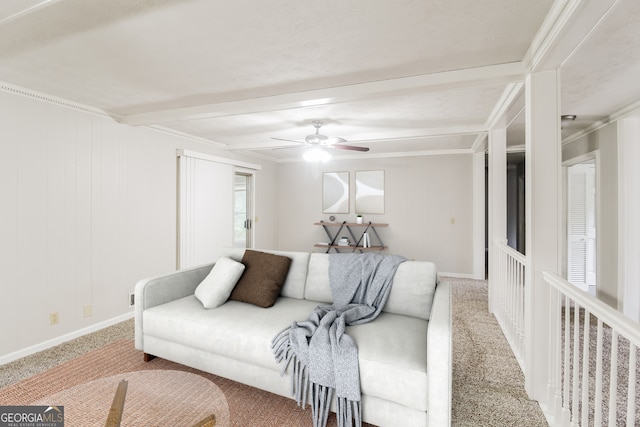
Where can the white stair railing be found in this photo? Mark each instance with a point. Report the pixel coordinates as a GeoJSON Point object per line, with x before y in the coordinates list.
{"type": "Point", "coordinates": [594, 363]}
{"type": "Point", "coordinates": [508, 294]}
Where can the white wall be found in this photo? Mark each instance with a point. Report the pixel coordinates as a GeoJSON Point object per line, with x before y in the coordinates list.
{"type": "Point", "coordinates": [422, 195]}
{"type": "Point", "coordinates": [88, 208]}
{"type": "Point", "coordinates": [604, 140]}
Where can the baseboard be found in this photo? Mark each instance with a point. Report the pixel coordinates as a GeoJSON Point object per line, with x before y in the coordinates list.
{"type": "Point", "coordinates": [459, 275]}
{"type": "Point", "coordinates": [64, 338]}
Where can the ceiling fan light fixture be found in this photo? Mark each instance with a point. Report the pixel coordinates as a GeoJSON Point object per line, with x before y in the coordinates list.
{"type": "Point", "coordinates": [316, 154]}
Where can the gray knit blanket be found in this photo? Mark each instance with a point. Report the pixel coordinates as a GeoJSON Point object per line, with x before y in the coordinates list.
{"type": "Point", "coordinates": [323, 357]}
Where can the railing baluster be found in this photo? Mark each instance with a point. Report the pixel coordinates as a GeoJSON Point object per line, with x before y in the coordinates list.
{"type": "Point", "coordinates": [613, 380]}
{"type": "Point", "coordinates": [514, 300]}
{"type": "Point", "coordinates": [576, 362]}
{"type": "Point", "coordinates": [598, 397]}
{"type": "Point", "coordinates": [555, 353]}
{"type": "Point", "coordinates": [631, 395]}
{"type": "Point", "coordinates": [585, 370]}
{"type": "Point", "coordinates": [567, 370]}
{"type": "Point", "coordinates": [507, 295]}
{"type": "Point", "coordinates": [570, 405]}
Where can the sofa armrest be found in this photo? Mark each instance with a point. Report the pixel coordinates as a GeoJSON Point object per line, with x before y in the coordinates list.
{"type": "Point", "coordinates": [162, 289]}
{"type": "Point", "coordinates": [439, 357]}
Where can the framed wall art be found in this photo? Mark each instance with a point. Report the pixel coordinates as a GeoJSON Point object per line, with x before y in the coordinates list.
{"type": "Point", "coordinates": [335, 192]}
{"type": "Point", "coordinates": [370, 192]}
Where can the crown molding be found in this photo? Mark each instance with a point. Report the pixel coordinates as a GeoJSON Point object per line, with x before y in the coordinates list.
{"type": "Point", "coordinates": [567, 25]}
{"type": "Point", "coordinates": [629, 110]}
{"type": "Point", "coordinates": [50, 99]}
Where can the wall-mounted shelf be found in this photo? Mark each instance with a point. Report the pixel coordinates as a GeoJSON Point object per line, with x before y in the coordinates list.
{"type": "Point", "coordinates": [356, 231]}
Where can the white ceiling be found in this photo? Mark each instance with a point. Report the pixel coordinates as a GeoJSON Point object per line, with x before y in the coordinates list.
{"type": "Point", "coordinates": [401, 77]}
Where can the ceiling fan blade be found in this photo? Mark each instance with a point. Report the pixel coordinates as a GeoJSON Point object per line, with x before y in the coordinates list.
{"type": "Point", "coordinates": [285, 147]}
{"type": "Point", "coordinates": [287, 140]}
{"type": "Point", "coordinates": [349, 147]}
{"type": "Point", "coordinates": [334, 140]}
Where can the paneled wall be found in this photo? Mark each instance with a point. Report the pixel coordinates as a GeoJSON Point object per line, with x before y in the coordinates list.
{"type": "Point", "coordinates": [428, 206]}
{"type": "Point", "coordinates": [88, 208]}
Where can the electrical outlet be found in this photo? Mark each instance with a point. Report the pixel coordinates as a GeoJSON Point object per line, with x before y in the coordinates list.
{"type": "Point", "coordinates": [132, 299]}
{"type": "Point", "coordinates": [54, 318]}
{"type": "Point", "coordinates": [87, 310]}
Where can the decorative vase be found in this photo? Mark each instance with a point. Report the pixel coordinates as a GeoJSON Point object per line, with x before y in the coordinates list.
{"type": "Point", "coordinates": [358, 220]}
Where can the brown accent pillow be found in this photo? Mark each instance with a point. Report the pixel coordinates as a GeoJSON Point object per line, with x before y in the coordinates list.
{"type": "Point", "coordinates": [264, 274]}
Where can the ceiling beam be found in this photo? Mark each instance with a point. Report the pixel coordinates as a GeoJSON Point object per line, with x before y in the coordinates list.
{"type": "Point", "coordinates": [491, 74]}
{"type": "Point", "coordinates": [425, 134]}
{"type": "Point", "coordinates": [566, 27]}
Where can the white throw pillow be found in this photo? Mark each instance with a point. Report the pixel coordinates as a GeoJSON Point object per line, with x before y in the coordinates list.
{"type": "Point", "coordinates": [214, 290]}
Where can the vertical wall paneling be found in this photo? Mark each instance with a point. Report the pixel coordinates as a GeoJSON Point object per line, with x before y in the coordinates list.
{"type": "Point", "coordinates": [206, 210]}
{"type": "Point", "coordinates": [83, 175]}
{"type": "Point", "coordinates": [9, 124]}
{"type": "Point", "coordinates": [88, 209]}
{"type": "Point", "coordinates": [36, 290]}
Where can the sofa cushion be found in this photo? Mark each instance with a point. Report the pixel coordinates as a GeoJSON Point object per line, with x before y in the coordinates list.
{"type": "Point", "coordinates": [392, 356]}
{"type": "Point", "coordinates": [264, 274]}
{"type": "Point", "coordinates": [294, 284]}
{"type": "Point", "coordinates": [392, 350]}
{"type": "Point", "coordinates": [235, 329]}
{"type": "Point", "coordinates": [214, 290]}
{"type": "Point", "coordinates": [317, 287]}
{"type": "Point", "coordinates": [414, 285]}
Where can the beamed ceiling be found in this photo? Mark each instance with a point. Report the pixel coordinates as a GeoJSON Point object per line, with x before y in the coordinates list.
{"type": "Point", "coordinates": [401, 77]}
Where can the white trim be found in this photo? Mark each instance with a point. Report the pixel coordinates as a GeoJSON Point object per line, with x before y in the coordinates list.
{"type": "Point", "coordinates": [62, 102]}
{"type": "Point", "coordinates": [612, 317]}
{"type": "Point", "coordinates": [629, 110]}
{"type": "Point", "coordinates": [491, 74]}
{"type": "Point", "coordinates": [444, 275]}
{"type": "Point", "coordinates": [516, 149]}
{"type": "Point", "coordinates": [481, 143]}
{"type": "Point", "coordinates": [64, 338]}
{"type": "Point", "coordinates": [479, 196]}
{"type": "Point", "coordinates": [427, 134]}
{"type": "Point", "coordinates": [387, 155]}
{"type": "Point", "coordinates": [591, 155]}
{"type": "Point", "coordinates": [194, 154]}
{"type": "Point", "coordinates": [550, 31]}
{"type": "Point", "coordinates": [499, 113]}
{"type": "Point", "coordinates": [194, 138]}
{"type": "Point", "coordinates": [628, 207]}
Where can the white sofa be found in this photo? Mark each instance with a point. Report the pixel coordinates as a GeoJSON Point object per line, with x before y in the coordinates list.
{"type": "Point", "coordinates": [404, 355]}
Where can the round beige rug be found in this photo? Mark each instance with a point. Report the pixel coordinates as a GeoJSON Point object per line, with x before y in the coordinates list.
{"type": "Point", "coordinates": [154, 398]}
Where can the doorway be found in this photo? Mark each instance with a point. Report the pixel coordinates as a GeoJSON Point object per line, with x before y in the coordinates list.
{"type": "Point", "coordinates": [582, 248]}
{"type": "Point", "coordinates": [243, 210]}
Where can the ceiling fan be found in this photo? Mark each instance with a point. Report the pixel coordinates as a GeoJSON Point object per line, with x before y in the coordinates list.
{"type": "Point", "coordinates": [316, 140]}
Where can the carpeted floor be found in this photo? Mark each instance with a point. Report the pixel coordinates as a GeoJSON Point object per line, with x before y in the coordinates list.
{"type": "Point", "coordinates": [488, 386]}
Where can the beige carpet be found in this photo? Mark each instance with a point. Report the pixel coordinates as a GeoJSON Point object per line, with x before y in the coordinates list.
{"type": "Point", "coordinates": [488, 386]}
